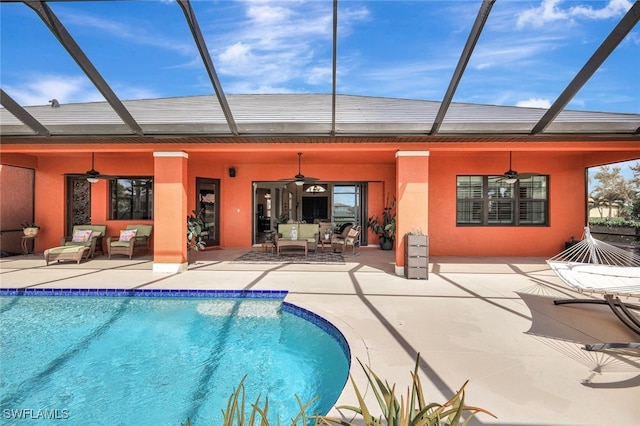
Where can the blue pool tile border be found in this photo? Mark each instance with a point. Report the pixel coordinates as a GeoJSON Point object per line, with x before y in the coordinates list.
{"type": "Point", "coordinates": [305, 314]}
{"type": "Point", "coordinates": [114, 292]}
{"type": "Point", "coordinates": [321, 323]}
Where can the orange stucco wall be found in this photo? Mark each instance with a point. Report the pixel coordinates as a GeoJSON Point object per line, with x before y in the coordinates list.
{"type": "Point", "coordinates": [373, 163]}
{"type": "Point", "coordinates": [566, 205]}
{"type": "Point", "coordinates": [236, 193]}
{"type": "Point", "coordinates": [50, 192]}
{"type": "Point", "coordinates": [170, 190]}
{"type": "Point", "coordinates": [412, 196]}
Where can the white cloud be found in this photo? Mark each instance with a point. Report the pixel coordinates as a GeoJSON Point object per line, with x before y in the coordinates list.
{"type": "Point", "coordinates": [136, 32]}
{"type": "Point", "coordinates": [551, 11]}
{"type": "Point", "coordinates": [277, 42]}
{"type": "Point", "coordinates": [534, 103]}
{"type": "Point", "coordinates": [512, 53]}
{"type": "Point", "coordinates": [546, 12]}
{"type": "Point", "coordinates": [613, 9]}
{"type": "Point", "coordinates": [39, 89]}
{"type": "Point", "coordinates": [238, 54]}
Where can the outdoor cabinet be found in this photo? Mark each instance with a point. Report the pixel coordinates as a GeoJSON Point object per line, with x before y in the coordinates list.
{"type": "Point", "coordinates": [416, 257]}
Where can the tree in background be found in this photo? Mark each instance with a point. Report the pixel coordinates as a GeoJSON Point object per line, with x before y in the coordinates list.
{"type": "Point", "coordinates": [635, 183]}
{"type": "Point", "coordinates": [612, 188]}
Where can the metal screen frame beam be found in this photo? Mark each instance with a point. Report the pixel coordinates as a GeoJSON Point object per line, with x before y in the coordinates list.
{"type": "Point", "coordinates": [190, 16]}
{"type": "Point", "coordinates": [626, 24]}
{"type": "Point", "coordinates": [22, 114]}
{"type": "Point", "coordinates": [335, 67]}
{"type": "Point", "coordinates": [478, 25]}
{"type": "Point", "coordinates": [60, 32]}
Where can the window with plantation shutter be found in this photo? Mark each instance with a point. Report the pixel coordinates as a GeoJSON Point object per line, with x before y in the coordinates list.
{"type": "Point", "coordinates": [490, 201]}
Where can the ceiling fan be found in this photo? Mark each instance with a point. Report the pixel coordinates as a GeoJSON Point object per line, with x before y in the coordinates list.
{"type": "Point", "coordinates": [301, 179]}
{"type": "Point", "coordinates": [91, 175]}
{"type": "Point", "coordinates": [512, 176]}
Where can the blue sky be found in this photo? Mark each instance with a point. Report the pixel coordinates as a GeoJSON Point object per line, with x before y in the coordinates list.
{"type": "Point", "coordinates": [527, 54]}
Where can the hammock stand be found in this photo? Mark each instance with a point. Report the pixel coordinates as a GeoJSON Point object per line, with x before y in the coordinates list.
{"type": "Point", "coordinates": [595, 267]}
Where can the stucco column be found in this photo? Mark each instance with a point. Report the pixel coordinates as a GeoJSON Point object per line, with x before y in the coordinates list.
{"type": "Point", "coordinates": [170, 212]}
{"type": "Point", "coordinates": [412, 198]}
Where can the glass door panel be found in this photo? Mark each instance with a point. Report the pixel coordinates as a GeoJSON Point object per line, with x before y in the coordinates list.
{"type": "Point", "coordinates": [208, 199]}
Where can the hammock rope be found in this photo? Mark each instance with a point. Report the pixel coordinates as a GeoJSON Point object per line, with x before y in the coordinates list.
{"type": "Point", "coordinates": [592, 251]}
{"type": "Point", "coordinates": [593, 266]}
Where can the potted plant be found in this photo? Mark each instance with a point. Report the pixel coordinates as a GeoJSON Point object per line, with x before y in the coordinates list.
{"type": "Point", "coordinates": [195, 224]}
{"type": "Point", "coordinates": [385, 228]}
{"type": "Point", "coordinates": [30, 229]}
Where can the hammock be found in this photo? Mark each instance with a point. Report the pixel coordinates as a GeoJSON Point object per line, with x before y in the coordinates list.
{"type": "Point", "coordinates": [593, 266]}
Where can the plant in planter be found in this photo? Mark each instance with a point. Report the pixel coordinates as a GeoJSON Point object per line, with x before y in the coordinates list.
{"type": "Point", "coordinates": [195, 224]}
{"type": "Point", "coordinates": [30, 229]}
{"type": "Point", "coordinates": [385, 228]}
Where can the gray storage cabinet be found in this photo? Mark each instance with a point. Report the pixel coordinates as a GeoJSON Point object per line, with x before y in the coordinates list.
{"type": "Point", "coordinates": [416, 257]}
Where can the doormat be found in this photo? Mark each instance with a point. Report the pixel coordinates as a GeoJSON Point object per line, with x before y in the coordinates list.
{"type": "Point", "coordinates": [261, 256]}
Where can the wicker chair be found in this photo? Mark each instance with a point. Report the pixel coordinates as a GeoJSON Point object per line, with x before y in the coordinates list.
{"type": "Point", "coordinates": [352, 239]}
{"type": "Point", "coordinates": [128, 246]}
{"type": "Point", "coordinates": [94, 240]}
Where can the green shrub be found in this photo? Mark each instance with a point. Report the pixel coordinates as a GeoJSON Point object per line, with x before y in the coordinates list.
{"type": "Point", "coordinates": [236, 413]}
{"type": "Point", "coordinates": [413, 411]}
{"type": "Point", "coordinates": [615, 221]}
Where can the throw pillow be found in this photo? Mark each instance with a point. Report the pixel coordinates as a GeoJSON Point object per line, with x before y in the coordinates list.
{"type": "Point", "coordinates": [128, 234]}
{"type": "Point", "coordinates": [81, 236]}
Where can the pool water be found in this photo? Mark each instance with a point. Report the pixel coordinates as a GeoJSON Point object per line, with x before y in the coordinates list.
{"type": "Point", "coordinates": [158, 361]}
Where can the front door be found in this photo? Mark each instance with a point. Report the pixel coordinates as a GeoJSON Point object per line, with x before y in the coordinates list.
{"type": "Point", "coordinates": [208, 199]}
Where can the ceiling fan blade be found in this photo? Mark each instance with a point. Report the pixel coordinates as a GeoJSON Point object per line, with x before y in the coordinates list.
{"type": "Point", "coordinates": [85, 176]}
{"type": "Point", "coordinates": [300, 177]}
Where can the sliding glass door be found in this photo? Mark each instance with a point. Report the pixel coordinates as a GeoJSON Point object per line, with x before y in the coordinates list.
{"type": "Point", "coordinates": [336, 202]}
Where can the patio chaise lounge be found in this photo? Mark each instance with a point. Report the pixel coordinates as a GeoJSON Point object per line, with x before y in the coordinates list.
{"type": "Point", "coordinates": [75, 253]}
{"type": "Point", "coordinates": [87, 236]}
{"type": "Point", "coordinates": [595, 267]}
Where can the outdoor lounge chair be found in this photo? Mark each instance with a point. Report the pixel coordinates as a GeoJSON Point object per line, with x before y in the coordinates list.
{"type": "Point", "coordinates": [73, 252]}
{"type": "Point", "coordinates": [87, 236]}
{"type": "Point", "coordinates": [595, 267]}
{"type": "Point", "coordinates": [133, 238]}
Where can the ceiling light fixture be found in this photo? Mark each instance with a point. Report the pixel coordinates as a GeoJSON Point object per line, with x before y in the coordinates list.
{"type": "Point", "coordinates": [315, 189]}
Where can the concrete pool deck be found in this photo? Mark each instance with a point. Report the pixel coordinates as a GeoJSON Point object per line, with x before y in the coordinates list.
{"type": "Point", "coordinates": [491, 321]}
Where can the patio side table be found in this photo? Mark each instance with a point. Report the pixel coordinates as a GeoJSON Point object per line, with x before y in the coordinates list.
{"type": "Point", "coordinates": [25, 244]}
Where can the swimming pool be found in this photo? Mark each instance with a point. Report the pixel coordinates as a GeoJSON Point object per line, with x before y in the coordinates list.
{"type": "Point", "coordinates": [162, 358]}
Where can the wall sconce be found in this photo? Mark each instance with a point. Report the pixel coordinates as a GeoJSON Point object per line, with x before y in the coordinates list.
{"type": "Point", "coordinates": [232, 172]}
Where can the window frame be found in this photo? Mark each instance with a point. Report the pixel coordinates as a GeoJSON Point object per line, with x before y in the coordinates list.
{"type": "Point", "coordinates": [479, 211]}
{"type": "Point", "coordinates": [113, 198]}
